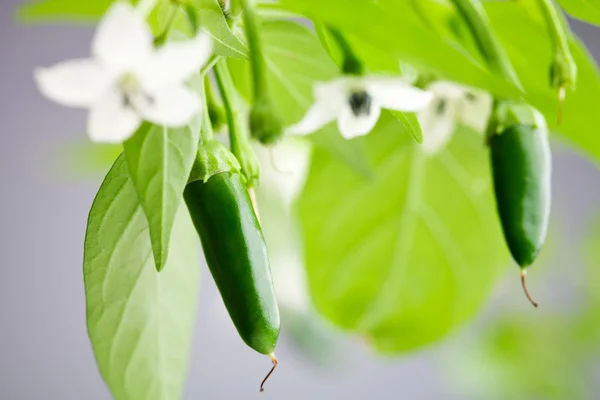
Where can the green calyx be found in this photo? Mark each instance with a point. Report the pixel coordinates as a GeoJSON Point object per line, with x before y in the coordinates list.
{"type": "Point", "coordinates": [563, 71]}
{"type": "Point", "coordinates": [266, 125]}
{"type": "Point", "coordinates": [507, 114]}
{"type": "Point", "coordinates": [212, 158]}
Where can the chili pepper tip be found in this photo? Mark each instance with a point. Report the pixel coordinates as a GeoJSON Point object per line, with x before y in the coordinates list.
{"type": "Point", "coordinates": [275, 362]}
{"type": "Point", "coordinates": [524, 283]}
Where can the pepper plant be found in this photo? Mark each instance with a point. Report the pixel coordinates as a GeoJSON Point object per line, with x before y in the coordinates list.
{"type": "Point", "coordinates": [429, 124]}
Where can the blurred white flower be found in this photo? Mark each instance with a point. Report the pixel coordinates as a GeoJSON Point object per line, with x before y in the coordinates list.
{"type": "Point", "coordinates": [356, 103]}
{"type": "Point", "coordinates": [453, 104]}
{"type": "Point", "coordinates": [128, 80]}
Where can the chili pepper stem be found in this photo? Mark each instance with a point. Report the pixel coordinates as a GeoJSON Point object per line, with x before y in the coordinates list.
{"type": "Point", "coordinates": [254, 201]}
{"type": "Point", "coordinates": [524, 283]}
{"type": "Point", "coordinates": [275, 362]}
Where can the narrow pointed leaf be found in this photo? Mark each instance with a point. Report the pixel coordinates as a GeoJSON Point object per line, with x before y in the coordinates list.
{"type": "Point", "coordinates": [160, 160]}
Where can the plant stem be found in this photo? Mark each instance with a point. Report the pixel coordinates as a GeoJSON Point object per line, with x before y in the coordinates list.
{"type": "Point", "coordinates": [351, 63]}
{"type": "Point", "coordinates": [206, 131]}
{"type": "Point", "coordinates": [238, 137]}
{"type": "Point", "coordinates": [564, 67]}
{"type": "Point", "coordinates": [555, 27]}
{"type": "Point", "coordinates": [474, 15]}
{"type": "Point", "coordinates": [145, 7]}
{"type": "Point", "coordinates": [257, 59]}
{"type": "Point", "coordinates": [211, 96]}
{"type": "Point", "coordinates": [160, 39]}
{"type": "Point", "coordinates": [227, 90]}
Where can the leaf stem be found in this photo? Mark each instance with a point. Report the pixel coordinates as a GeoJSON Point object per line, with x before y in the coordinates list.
{"type": "Point", "coordinates": [238, 136]}
{"type": "Point", "coordinates": [351, 63]}
{"type": "Point", "coordinates": [474, 15]}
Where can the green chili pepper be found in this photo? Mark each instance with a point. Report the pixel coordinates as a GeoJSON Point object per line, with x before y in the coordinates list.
{"type": "Point", "coordinates": [521, 168]}
{"type": "Point", "coordinates": [236, 254]}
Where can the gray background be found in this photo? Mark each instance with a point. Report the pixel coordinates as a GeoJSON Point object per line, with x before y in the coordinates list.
{"type": "Point", "coordinates": [44, 349]}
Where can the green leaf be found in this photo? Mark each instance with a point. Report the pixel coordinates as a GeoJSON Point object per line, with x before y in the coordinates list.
{"type": "Point", "coordinates": [160, 160]}
{"type": "Point", "coordinates": [210, 17]}
{"type": "Point", "coordinates": [394, 29]}
{"type": "Point", "coordinates": [59, 10]}
{"type": "Point", "coordinates": [413, 252]}
{"type": "Point", "coordinates": [140, 322]}
{"type": "Point", "coordinates": [295, 61]}
{"type": "Point", "coordinates": [226, 43]}
{"type": "Point", "coordinates": [410, 124]}
{"type": "Point", "coordinates": [585, 10]}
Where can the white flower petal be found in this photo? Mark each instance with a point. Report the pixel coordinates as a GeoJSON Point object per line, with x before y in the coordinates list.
{"type": "Point", "coordinates": [438, 123]}
{"type": "Point", "coordinates": [171, 106]}
{"type": "Point", "coordinates": [110, 121]}
{"type": "Point", "coordinates": [317, 116]}
{"type": "Point", "coordinates": [396, 94]}
{"type": "Point", "coordinates": [474, 111]}
{"type": "Point", "coordinates": [123, 39]}
{"type": "Point", "coordinates": [351, 126]}
{"type": "Point", "coordinates": [447, 89]}
{"type": "Point", "coordinates": [335, 91]}
{"type": "Point", "coordinates": [76, 83]}
{"type": "Point", "coordinates": [175, 62]}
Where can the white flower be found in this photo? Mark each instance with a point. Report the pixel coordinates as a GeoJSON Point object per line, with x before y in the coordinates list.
{"type": "Point", "coordinates": [127, 80]}
{"type": "Point", "coordinates": [356, 103]}
{"type": "Point", "coordinates": [453, 104]}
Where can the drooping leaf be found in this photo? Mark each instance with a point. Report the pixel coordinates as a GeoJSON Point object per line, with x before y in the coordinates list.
{"type": "Point", "coordinates": [585, 10]}
{"type": "Point", "coordinates": [139, 321]}
{"type": "Point", "coordinates": [160, 160]}
{"type": "Point", "coordinates": [408, 255]}
{"type": "Point", "coordinates": [295, 61]}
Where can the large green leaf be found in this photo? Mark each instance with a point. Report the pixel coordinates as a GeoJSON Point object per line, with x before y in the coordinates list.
{"type": "Point", "coordinates": [586, 10]}
{"type": "Point", "coordinates": [408, 255]}
{"type": "Point", "coordinates": [140, 322]}
{"type": "Point", "coordinates": [160, 160]}
{"type": "Point", "coordinates": [295, 61]}
{"type": "Point", "coordinates": [393, 27]}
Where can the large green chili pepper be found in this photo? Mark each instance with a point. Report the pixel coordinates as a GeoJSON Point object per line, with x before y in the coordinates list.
{"type": "Point", "coordinates": [521, 167]}
{"type": "Point", "coordinates": [236, 254]}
